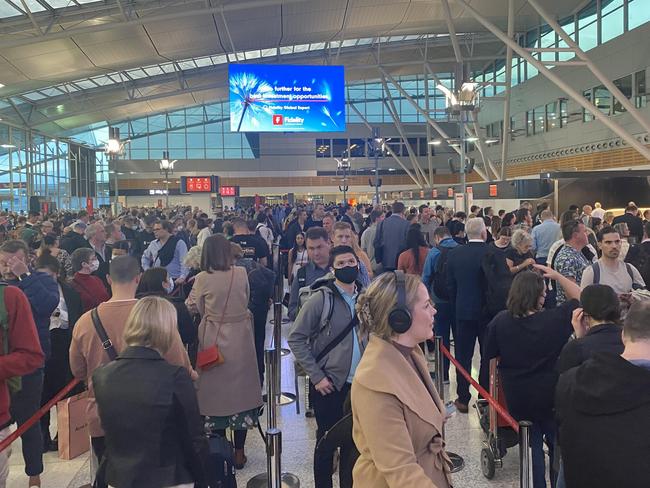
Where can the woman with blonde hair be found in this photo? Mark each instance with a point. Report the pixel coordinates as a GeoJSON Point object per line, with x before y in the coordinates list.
{"type": "Point", "coordinates": [398, 416]}
{"type": "Point", "coordinates": [519, 256]}
{"type": "Point", "coordinates": [228, 386]}
{"type": "Point", "coordinates": [148, 407]}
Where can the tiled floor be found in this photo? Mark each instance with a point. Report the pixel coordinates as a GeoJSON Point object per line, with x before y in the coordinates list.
{"type": "Point", "coordinates": [463, 435]}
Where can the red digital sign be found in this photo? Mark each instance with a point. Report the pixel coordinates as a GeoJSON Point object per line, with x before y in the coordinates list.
{"type": "Point", "coordinates": [493, 190]}
{"type": "Point", "coordinates": [198, 184]}
{"type": "Point", "coordinates": [229, 191]}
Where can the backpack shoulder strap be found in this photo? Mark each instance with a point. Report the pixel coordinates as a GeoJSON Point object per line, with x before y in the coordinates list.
{"type": "Point", "coordinates": [596, 269]}
{"type": "Point", "coordinates": [628, 266]}
{"type": "Point", "coordinates": [328, 306]}
{"type": "Point", "coordinates": [301, 276]}
{"type": "Point", "coordinates": [103, 336]}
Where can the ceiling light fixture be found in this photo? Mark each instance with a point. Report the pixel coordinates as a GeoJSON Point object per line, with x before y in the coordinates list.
{"type": "Point", "coordinates": [435, 142]}
{"type": "Point", "coordinates": [7, 146]}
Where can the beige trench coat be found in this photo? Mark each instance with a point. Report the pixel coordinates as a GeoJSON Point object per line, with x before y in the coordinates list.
{"type": "Point", "coordinates": [397, 420]}
{"type": "Point", "coordinates": [234, 386]}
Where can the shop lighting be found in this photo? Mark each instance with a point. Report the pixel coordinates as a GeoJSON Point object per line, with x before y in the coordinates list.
{"type": "Point", "coordinates": [7, 146]}
{"type": "Point", "coordinates": [435, 142]}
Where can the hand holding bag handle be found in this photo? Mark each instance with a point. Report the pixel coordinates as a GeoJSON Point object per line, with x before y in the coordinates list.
{"type": "Point", "coordinates": [211, 356]}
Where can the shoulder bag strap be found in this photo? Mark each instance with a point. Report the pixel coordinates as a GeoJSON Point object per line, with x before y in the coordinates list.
{"type": "Point", "coordinates": [103, 336]}
{"type": "Point", "coordinates": [338, 339]}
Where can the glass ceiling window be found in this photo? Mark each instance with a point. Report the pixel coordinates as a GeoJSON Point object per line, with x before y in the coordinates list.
{"type": "Point", "coordinates": [204, 61]}
{"type": "Point", "coordinates": [14, 8]}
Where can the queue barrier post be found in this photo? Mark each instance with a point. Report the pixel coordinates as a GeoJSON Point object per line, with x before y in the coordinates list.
{"type": "Point", "coordinates": [274, 477]}
{"type": "Point", "coordinates": [438, 364]}
{"type": "Point", "coordinates": [525, 455]}
{"type": "Point", "coordinates": [457, 461]}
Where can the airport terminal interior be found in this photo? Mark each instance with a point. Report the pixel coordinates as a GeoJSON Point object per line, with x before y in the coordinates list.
{"type": "Point", "coordinates": [128, 115]}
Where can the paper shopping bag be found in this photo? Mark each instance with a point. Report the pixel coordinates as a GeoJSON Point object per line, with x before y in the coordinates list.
{"type": "Point", "coordinates": [72, 426]}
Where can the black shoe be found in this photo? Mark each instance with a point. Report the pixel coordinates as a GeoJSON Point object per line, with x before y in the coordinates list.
{"type": "Point", "coordinates": [461, 407]}
{"type": "Point", "coordinates": [50, 445]}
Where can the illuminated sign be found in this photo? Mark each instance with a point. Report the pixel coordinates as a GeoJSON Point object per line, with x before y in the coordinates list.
{"type": "Point", "coordinates": [229, 191]}
{"type": "Point", "coordinates": [493, 190]}
{"type": "Point", "coordinates": [158, 192]}
{"type": "Point", "coordinates": [199, 184]}
{"type": "Point", "coordinates": [450, 192]}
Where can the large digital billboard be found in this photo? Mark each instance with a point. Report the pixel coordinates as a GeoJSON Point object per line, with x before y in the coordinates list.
{"type": "Point", "coordinates": [286, 98]}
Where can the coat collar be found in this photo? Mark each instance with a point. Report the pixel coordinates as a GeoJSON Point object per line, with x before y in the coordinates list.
{"type": "Point", "coordinates": [139, 352]}
{"type": "Point", "coordinates": [398, 378]}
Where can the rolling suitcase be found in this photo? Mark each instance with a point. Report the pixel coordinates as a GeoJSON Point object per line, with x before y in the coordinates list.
{"type": "Point", "coordinates": [220, 466]}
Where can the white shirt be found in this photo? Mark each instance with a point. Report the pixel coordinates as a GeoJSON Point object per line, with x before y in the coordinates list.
{"type": "Point", "coordinates": [59, 318]}
{"type": "Point", "coordinates": [203, 235]}
{"type": "Point", "coordinates": [599, 213]}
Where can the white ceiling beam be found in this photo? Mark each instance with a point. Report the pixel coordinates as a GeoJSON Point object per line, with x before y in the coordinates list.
{"type": "Point", "coordinates": [560, 83]}
{"type": "Point", "coordinates": [37, 27]}
{"type": "Point", "coordinates": [95, 28]}
{"type": "Point", "coordinates": [505, 132]}
{"type": "Point", "coordinates": [390, 151]}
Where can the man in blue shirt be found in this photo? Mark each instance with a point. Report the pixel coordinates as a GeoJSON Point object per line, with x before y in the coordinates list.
{"type": "Point", "coordinates": [544, 235]}
{"type": "Point", "coordinates": [322, 345]}
{"type": "Point", "coordinates": [444, 321]}
{"type": "Point", "coordinates": [167, 251]}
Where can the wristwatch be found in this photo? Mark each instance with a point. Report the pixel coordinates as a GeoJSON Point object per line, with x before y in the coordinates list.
{"type": "Point", "coordinates": [23, 276]}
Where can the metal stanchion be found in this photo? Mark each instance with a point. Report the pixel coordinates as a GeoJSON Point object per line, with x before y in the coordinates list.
{"type": "Point", "coordinates": [438, 364]}
{"type": "Point", "coordinates": [457, 462]}
{"type": "Point", "coordinates": [525, 455]}
{"type": "Point", "coordinates": [273, 478]}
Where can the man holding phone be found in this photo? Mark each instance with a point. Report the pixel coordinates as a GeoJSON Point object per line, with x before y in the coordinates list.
{"type": "Point", "coordinates": [610, 270]}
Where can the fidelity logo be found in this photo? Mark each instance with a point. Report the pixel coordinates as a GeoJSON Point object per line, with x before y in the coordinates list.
{"type": "Point", "coordinates": [278, 120]}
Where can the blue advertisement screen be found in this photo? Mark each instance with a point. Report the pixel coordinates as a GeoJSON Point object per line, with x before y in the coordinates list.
{"type": "Point", "coordinates": [286, 98]}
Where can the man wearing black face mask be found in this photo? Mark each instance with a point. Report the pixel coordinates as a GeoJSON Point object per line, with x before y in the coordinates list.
{"type": "Point", "coordinates": [325, 341]}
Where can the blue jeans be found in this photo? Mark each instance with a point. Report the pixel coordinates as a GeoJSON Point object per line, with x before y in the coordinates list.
{"type": "Point", "coordinates": [541, 432]}
{"type": "Point", "coordinates": [443, 326]}
{"type": "Point", "coordinates": [24, 404]}
{"type": "Point", "coordinates": [560, 483]}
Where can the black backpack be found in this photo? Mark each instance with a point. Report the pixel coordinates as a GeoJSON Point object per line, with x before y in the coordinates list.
{"type": "Point", "coordinates": [221, 463]}
{"type": "Point", "coordinates": [439, 276]}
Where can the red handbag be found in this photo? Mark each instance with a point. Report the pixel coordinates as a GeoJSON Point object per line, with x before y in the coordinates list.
{"type": "Point", "coordinates": [211, 356]}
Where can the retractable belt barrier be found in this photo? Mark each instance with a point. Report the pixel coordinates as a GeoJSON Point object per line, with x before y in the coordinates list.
{"type": "Point", "coordinates": [37, 416]}
{"type": "Point", "coordinates": [495, 404]}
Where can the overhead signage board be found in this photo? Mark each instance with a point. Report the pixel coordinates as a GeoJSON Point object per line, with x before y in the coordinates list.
{"type": "Point", "coordinates": [286, 98]}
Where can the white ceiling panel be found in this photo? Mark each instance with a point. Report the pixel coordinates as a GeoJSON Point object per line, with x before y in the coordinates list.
{"type": "Point", "coordinates": [9, 75]}
{"type": "Point", "coordinates": [377, 19]}
{"type": "Point", "coordinates": [185, 37]}
{"type": "Point", "coordinates": [125, 46]}
{"type": "Point", "coordinates": [52, 66]}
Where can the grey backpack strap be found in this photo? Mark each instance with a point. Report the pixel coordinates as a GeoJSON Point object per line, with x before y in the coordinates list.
{"type": "Point", "coordinates": [596, 269]}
